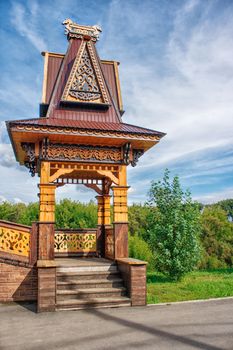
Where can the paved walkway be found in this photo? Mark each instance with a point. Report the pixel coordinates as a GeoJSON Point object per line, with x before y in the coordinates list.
{"type": "Point", "coordinates": [199, 325]}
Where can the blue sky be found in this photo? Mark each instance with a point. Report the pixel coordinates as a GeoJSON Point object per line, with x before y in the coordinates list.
{"type": "Point", "coordinates": [176, 75]}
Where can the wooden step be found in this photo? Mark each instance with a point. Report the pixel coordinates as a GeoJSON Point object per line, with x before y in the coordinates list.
{"type": "Point", "coordinates": [77, 269]}
{"type": "Point", "coordinates": [87, 275]}
{"type": "Point", "coordinates": [73, 284]}
{"type": "Point", "coordinates": [91, 293]}
{"type": "Point", "coordinates": [74, 304]}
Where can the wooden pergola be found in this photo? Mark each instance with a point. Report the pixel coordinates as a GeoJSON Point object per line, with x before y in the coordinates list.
{"type": "Point", "coordinates": [80, 138]}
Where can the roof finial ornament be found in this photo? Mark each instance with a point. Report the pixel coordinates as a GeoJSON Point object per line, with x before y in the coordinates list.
{"type": "Point", "coordinates": [74, 30]}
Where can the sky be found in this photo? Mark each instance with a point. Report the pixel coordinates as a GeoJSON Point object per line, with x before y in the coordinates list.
{"type": "Point", "coordinates": [176, 76]}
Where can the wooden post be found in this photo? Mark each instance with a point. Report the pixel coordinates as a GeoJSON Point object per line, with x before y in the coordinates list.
{"type": "Point", "coordinates": [46, 267]}
{"type": "Point", "coordinates": [120, 215]}
{"type": "Point", "coordinates": [104, 220]}
{"type": "Point", "coordinates": [47, 214]}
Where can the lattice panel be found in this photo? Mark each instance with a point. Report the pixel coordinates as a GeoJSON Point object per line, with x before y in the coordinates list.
{"type": "Point", "coordinates": [75, 242]}
{"type": "Point", "coordinates": [14, 241]}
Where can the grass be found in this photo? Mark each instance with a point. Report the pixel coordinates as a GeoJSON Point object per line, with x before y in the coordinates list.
{"type": "Point", "coordinates": [196, 285]}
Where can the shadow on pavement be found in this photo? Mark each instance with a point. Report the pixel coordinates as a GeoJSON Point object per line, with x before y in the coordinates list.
{"type": "Point", "coordinates": [153, 331]}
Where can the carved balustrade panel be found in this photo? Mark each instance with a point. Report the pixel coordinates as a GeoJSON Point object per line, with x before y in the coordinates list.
{"type": "Point", "coordinates": [14, 241]}
{"type": "Point", "coordinates": [75, 242]}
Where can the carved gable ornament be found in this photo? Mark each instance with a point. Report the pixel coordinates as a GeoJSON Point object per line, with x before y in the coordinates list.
{"type": "Point", "coordinates": [86, 83]}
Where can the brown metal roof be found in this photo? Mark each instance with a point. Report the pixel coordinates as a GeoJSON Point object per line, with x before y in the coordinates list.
{"type": "Point", "coordinates": [58, 112]}
{"type": "Point", "coordinates": [86, 125]}
{"type": "Point", "coordinates": [53, 67]}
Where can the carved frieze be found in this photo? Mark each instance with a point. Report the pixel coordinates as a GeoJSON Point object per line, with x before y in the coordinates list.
{"type": "Point", "coordinates": [54, 151]}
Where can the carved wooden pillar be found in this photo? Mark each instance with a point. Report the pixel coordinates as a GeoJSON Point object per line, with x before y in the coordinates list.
{"type": "Point", "coordinates": [104, 220]}
{"type": "Point", "coordinates": [46, 266]}
{"type": "Point", "coordinates": [120, 216]}
{"type": "Point", "coordinates": [47, 215]}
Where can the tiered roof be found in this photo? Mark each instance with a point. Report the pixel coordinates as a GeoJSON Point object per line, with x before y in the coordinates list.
{"type": "Point", "coordinates": [81, 102]}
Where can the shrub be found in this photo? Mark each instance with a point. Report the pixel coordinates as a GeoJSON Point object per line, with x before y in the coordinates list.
{"type": "Point", "coordinates": [216, 238]}
{"type": "Point", "coordinates": [139, 249]}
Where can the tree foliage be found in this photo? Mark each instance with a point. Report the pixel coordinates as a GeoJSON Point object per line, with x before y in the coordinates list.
{"type": "Point", "coordinates": [74, 214]}
{"type": "Point", "coordinates": [138, 220]}
{"type": "Point", "coordinates": [226, 205]}
{"type": "Point", "coordinates": [216, 229]}
{"type": "Point", "coordinates": [174, 227]}
{"type": "Point", "coordinates": [141, 250]}
{"type": "Point", "coordinates": [216, 238]}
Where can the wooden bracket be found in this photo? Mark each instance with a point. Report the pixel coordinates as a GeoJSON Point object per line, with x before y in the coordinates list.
{"type": "Point", "coordinates": [59, 173]}
{"type": "Point", "coordinates": [94, 187]}
{"type": "Point", "coordinates": [109, 175]}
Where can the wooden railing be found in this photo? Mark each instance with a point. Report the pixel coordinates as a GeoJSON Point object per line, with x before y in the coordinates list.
{"type": "Point", "coordinates": [19, 242]}
{"type": "Point", "coordinates": [109, 243]}
{"type": "Point", "coordinates": [16, 242]}
{"type": "Point", "coordinates": [75, 242]}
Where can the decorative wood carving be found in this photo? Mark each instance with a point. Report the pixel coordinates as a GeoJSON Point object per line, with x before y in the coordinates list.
{"type": "Point", "coordinates": [30, 163]}
{"type": "Point", "coordinates": [14, 241]}
{"type": "Point", "coordinates": [80, 152]}
{"type": "Point", "coordinates": [85, 82]}
{"type": "Point", "coordinates": [85, 87]}
{"type": "Point", "coordinates": [127, 151]}
{"type": "Point", "coordinates": [75, 30]}
{"type": "Point", "coordinates": [137, 153]}
{"type": "Point", "coordinates": [75, 242]}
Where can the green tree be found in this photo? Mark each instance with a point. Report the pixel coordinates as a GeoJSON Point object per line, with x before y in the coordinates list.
{"type": "Point", "coordinates": [174, 227]}
{"type": "Point", "coordinates": [139, 249]}
{"type": "Point", "coordinates": [227, 205]}
{"type": "Point", "coordinates": [216, 238]}
{"type": "Point", "coordinates": [73, 214]}
{"type": "Point", "coordinates": [138, 220]}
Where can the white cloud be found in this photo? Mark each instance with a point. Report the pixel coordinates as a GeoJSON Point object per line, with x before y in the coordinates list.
{"type": "Point", "coordinates": [215, 196]}
{"type": "Point", "coordinates": [176, 73]}
{"type": "Point", "coordinates": [25, 21]}
{"type": "Point", "coordinates": [191, 99]}
{"type": "Point", "coordinates": [2, 199]}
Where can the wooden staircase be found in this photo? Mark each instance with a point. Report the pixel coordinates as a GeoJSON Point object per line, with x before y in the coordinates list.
{"type": "Point", "coordinates": [89, 283]}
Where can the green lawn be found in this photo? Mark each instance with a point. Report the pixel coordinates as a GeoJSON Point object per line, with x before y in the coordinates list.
{"type": "Point", "coordinates": [196, 285]}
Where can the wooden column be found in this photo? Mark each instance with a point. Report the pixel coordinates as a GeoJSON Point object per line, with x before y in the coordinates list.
{"type": "Point", "coordinates": [47, 214]}
{"type": "Point", "coordinates": [104, 220]}
{"type": "Point", "coordinates": [46, 266]}
{"type": "Point", "coordinates": [120, 215]}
